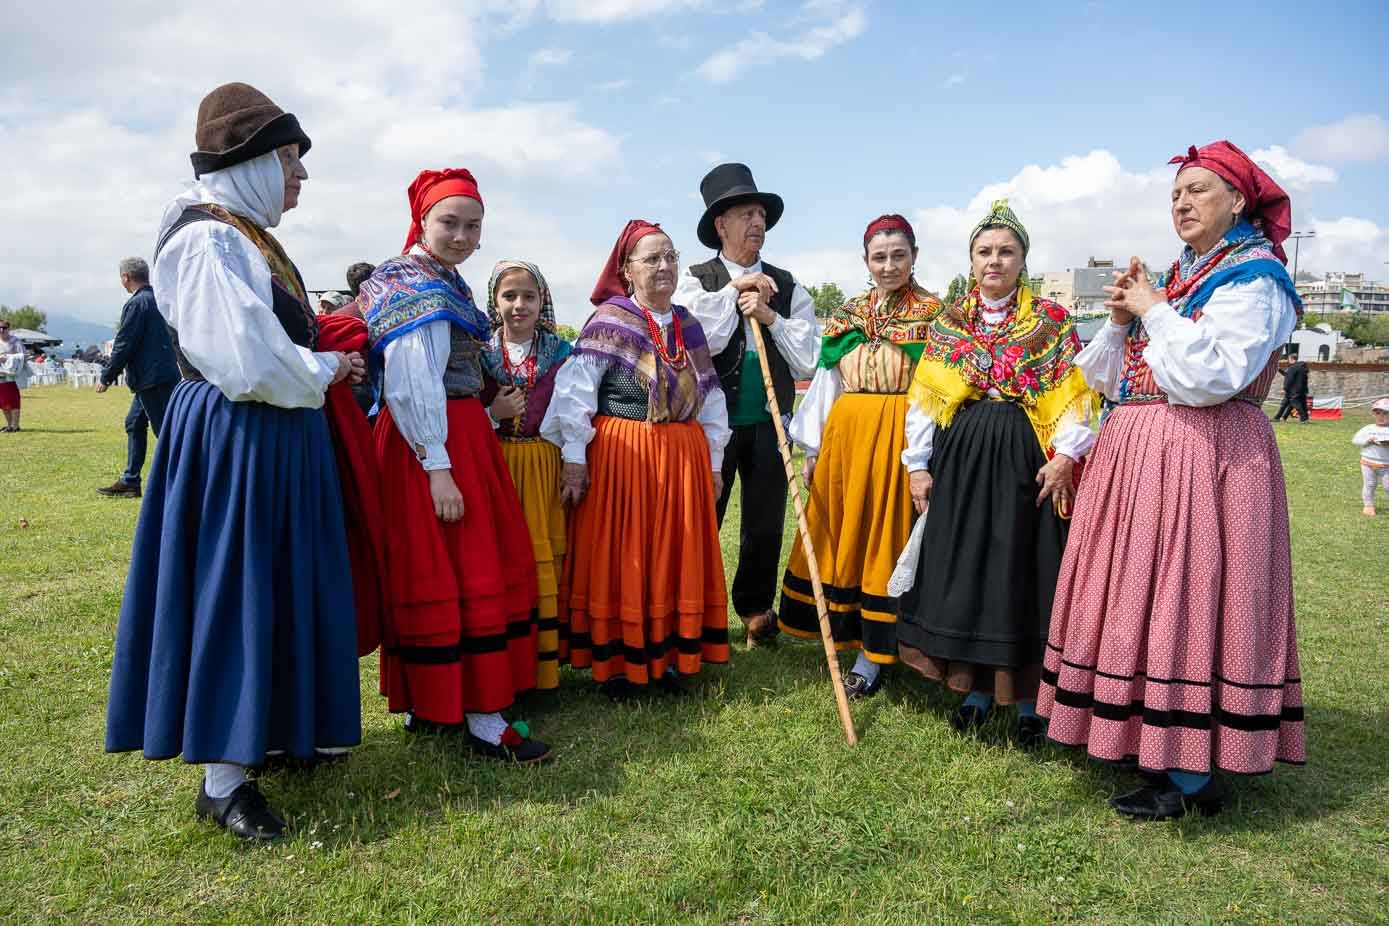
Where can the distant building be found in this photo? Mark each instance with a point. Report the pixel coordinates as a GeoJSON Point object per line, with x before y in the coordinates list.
{"type": "Point", "coordinates": [1058, 287]}
{"type": "Point", "coordinates": [1343, 292]}
{"type": "Point", "coordinates": [1080, 289]}
{"type": "Point", "coordinates": [1317, 344]}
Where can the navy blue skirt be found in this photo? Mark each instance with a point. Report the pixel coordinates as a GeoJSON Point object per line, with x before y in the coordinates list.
{"type": "Point", "coordinates": [237, 634]}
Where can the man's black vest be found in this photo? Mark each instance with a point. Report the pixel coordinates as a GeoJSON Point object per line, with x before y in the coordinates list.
{"type": "Point", "coordinates": [728, 364]}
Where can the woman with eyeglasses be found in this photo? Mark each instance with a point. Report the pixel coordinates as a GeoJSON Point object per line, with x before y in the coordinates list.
{"type": "Point", "coordinates": [642, 424]}
{"type": "Point", "coordinates": [12, 373]}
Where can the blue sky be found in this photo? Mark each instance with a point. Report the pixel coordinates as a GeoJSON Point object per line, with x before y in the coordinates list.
{"type": "Point", "coordinates": [578, 115]}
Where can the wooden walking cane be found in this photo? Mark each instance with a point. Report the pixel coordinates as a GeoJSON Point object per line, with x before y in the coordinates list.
{"type": "Point", "coordinates": [793, 479]}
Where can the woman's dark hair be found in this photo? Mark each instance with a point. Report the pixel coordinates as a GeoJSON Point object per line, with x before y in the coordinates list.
{"type": "Point", "coordinates": [356, 274]}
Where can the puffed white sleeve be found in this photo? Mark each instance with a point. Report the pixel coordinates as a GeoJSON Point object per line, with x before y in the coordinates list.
{"type": "Point", "coordinates": [568, 422]}
{"type": "Point", "coordinates": [1209, 360]}
{"type": "Point", "coordinates": [413, 387]}
{"type": "Point", "coordinates": [713, 417]}
{"type": "Point", "coordinates": [809, 423]}
{"type": "Point", "coordinates": [921, 437]}
{"type": "Point", "coordinates": [222, 312]}
{"type": "Point", "coordinates": [1074, 439]}
{"type": "Point", "coordinates": [1102, 360]}
{"type": "Point", "coordinates": [798, 337]}
{"type": "Point", "coordinates": [716, 312]}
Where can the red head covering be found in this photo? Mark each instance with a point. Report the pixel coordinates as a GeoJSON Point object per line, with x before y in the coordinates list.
{"type": "Point", "coordinates": [430, 187]}
{"type": "Point", "coordinates": [610, 280]}
{"type": "Point", "coordinates": [890, 222]}
{"type": "Point", "coordinates": [1264, 199]}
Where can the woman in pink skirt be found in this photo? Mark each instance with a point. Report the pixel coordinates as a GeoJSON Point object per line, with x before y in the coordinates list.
{"type": "Point", "coordinates": [1172, 643]}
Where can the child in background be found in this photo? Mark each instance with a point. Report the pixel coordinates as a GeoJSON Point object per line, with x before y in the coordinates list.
{"type": "Point", "coordinates": [1373, 441]}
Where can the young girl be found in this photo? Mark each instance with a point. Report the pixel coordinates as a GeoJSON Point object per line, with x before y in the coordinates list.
{"type": "Point", "coordinates": [1373, 441]}
{"type": "Point", "coordinates": [520, 362]}
{"type": "Point", "coordinates": [460, 640]}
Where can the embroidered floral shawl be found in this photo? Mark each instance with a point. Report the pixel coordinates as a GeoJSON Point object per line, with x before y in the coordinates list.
{"type": "Point", "coordinates": [412, 290]}
{"type": "Point", "coordinates": [908, 315]}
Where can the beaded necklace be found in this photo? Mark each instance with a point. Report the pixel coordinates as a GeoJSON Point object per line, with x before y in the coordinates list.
{"type": "Point", "coordinates": [680, 359]}
{"type": "Point", "coordinates": [988, 334]}
{"type": "Point", "coordinates": [875, 326]}
{"type": "Point", "coordinates": [525, 371]}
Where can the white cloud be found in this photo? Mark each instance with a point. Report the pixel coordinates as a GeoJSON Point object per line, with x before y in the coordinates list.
{"type": "Point", "coordinates": [606, 11]}
{"type": "Point", "coordinates": [1293, 172]}
{"type": "Point", "coordinates": [550, 57]}
{"type": "Point", "coordinates": [1346, 243]}
{"type": "Point", "coordinates": [1362, 137]}
{"type": "Point", "coordinates": [761, 48]}
{"type": "Point", "coordinates": [612, 86]}
{"type": "Point", "coordinates": [954, 80]}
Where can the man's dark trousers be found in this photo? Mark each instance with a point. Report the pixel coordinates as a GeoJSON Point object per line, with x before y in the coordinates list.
{"type": "Point", "coordinates": [146, 409]}
{"type": "Point", "coordinates": [753, 457]}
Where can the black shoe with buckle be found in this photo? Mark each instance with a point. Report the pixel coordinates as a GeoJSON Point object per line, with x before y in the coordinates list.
{"type": "Point", "coordinates": [1166, 802]}
{"type": "Point", "coordinates": [243, 813]}
{"type": "Point", "coordinates": [856, 687]}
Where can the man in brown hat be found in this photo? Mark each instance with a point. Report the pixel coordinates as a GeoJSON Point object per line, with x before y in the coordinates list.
{"type": "Point", "coordinates": [729, 294]}
{"type": "Point", "coordinates": [237, 635]}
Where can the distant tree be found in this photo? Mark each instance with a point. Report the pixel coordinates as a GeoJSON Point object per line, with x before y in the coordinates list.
{"type": "Point", "coordinates": [568, 332]}
{"type": "Point", "coordinates": [959, 289]}
{"type": "Point", "coordinates": [827, 298]}
{"type": "Point", "coordinates": [26, 316]}
{"type": "Point", "coordinates": [1361, 327]}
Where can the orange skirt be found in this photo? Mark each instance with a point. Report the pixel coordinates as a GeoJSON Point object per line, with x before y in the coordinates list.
{"type": "Point", "coordinates": [643, 586]}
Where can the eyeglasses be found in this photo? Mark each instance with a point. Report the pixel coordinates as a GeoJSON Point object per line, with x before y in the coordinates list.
{"type": "Point", "coordinates": [655, 260]}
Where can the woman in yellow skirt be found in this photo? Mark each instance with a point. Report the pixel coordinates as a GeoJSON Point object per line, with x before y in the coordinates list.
{"type": "Point", "coordinates": [520, 362]}
{"type": "Point", "coordinates": [853, 429]}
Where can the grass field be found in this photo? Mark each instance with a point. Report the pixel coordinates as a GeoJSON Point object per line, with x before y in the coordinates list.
{"type": "Point", "coordinates": [737, 804]}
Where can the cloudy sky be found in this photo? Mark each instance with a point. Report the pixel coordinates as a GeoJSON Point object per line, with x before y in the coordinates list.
{"type": "Point", "coordinates": [579, 114]}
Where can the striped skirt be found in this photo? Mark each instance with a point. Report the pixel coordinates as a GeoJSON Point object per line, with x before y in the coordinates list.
{"type": "Point", "coordinates": [643, 587]}
{"type": "Point", "coordinates": [535, 469]}
{"type": "Point", "coordinates": [1172, 636]}
{"type": "Point", "coordinates": [860, 515]}
{"type": "Point", "coordinates": [461, 633]}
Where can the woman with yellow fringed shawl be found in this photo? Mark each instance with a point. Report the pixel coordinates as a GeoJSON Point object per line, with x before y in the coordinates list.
{"type": "Point", "coordinates": [1003, 413]}
{"type": "Point", "coordinates": [852, 427]}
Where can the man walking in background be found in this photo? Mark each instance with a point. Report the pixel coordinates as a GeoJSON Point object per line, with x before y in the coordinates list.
{"type": "Point", "coordinates": [143, 351]}
{"type": "Point", "coordinates": [1294, 392]}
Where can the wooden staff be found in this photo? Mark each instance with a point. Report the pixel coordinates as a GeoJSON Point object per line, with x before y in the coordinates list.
{"type": "Point", "coordinates": [793, 479]}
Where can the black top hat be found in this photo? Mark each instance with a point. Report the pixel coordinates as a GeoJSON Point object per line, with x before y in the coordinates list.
{"type": "Point", "coordinates": [725, 187]}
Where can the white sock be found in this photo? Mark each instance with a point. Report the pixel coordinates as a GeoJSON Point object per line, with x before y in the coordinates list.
{"type": "Point", "coordinates": [867, 668]}
{"type": "Point", "coordinates": [331, 750]}
{"type": "Point", "coordinates": [220, 779]}
{"type": "Point", "coordinates": [487, 727]}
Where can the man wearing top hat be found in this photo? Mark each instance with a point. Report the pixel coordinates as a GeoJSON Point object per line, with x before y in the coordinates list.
{"type": "Point", "coordinates": [729, 294]}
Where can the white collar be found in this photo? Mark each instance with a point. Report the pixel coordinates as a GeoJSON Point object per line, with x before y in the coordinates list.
{"type": "Point", "coordinates": [996, 305]}
{"type": "Point", "coordinates": [736, 269]}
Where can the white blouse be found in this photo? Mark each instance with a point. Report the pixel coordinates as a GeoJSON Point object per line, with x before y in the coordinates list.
{"type": "Point", "coordinates": [568, 420]}
{"type": "Point", "coordinates": [1203, 362]}
{"type": "Point", "coordinates": [213, 287]}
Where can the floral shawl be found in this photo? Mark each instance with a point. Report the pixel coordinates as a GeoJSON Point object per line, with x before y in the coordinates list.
{"type": "Point", "coordinates": [1028, 361]}
{"type": "Point", "coordinates": [412, 290]}
{"type": "Point", "coordinates": [907, 318]}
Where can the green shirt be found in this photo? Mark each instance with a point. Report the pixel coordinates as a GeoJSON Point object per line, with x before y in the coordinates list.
{"type": "Point", "coordinates": [751, 407]}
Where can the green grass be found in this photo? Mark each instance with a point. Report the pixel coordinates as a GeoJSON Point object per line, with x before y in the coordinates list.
{"type": "Point", "coordinates": [738, 804]}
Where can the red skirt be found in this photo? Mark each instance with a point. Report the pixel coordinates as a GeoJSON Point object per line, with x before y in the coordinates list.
{"type": "Point", "coordinates": [461, 633]}
{"type": "Point", "coordinates": [9, 395]}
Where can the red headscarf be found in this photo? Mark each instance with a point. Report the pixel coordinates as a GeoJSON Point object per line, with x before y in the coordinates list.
{"type": "Point", "coordinates": [1264, 199]}
{"type": "Point", "coordinates": [610, 280]}
{"type": "Point", "coordinates": [890, 222]}
{"type": "Point", "coordinates": [430, 187]}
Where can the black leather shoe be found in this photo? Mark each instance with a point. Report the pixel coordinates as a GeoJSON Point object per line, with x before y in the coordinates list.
{"type": "Point", "coordinates": [1165, 802]}
{"type": "Point", "coordinates": [283, 761]}
{"type": "Point", "coordinates": [618, 689]}
{"type": "Point", "coordinates": [670, 683]}
{"type": "Point", "coordinates": [968, 718]}
{"type": "Point", "coordinates": [1032, 732]}
{"type": "Point", "coordinates": [857, 687]}
{"type": "Point", "coordinates": [119, 489]}
{"type": "Point", "coordinates": [415, 724]}
{"type": "Point", "coordinates": [242, 813]}
{"type": "Point", "coordinates": [526, 752]}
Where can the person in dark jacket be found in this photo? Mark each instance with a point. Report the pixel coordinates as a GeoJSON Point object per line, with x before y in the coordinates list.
{"type": "Point", "coordinates": [143, 351]}
{"type": "Point", "coordinates": [1294, 392]}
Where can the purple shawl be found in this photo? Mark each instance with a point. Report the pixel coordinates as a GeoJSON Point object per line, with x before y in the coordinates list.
{"type": "Point", "coordinates": [616, 333]}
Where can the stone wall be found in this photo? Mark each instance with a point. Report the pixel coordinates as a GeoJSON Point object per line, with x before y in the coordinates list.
{"type": "Point", "coordinates": [1352, 380]}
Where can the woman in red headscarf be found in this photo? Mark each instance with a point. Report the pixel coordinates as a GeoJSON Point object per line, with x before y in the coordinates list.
{"type": "Point", "coordinates": [460, 639]}
{"type": "Point", "coordinates": [853, 429]}
{"type": "Point", "coordinates": [1172, 643]}
{"type": "Point", "coordinates": [641, 424]}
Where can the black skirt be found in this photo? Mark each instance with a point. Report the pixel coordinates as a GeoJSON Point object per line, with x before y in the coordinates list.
{"type": "Point", "coordinates": [990, 555]}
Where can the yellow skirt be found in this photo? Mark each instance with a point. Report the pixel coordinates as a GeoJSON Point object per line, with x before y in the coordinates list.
{"type": "Point", "coordinates": [535, 468]}
{"type": "Point", "coordinates": [860, 516]}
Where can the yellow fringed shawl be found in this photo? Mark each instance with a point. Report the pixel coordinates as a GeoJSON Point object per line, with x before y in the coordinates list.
{"type": "Point", "coordinates": [1031, 365]}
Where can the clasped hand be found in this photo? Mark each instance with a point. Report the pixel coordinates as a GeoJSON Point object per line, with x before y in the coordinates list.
{"type": "Point", "coordinates": [1131, 294]}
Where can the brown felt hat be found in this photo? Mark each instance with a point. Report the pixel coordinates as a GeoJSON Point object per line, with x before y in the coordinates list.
{"type": "Point", "coordinates": [236, 122]}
